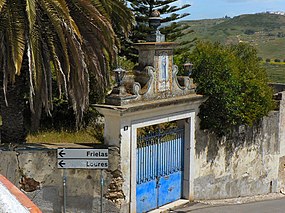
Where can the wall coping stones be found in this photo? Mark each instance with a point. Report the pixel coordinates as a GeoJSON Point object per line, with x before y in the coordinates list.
{"type": "Point", "coordinates": [22, 203]}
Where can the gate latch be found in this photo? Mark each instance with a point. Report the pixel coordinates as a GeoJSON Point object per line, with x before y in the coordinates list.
{"type": "Point", "coordinates": [157, 183]}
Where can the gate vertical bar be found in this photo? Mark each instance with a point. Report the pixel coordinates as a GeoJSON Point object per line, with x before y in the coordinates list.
{"type": "Point", "coordinates": [160, 172]}
{"type": "Point", "coordinates": [157, 166]}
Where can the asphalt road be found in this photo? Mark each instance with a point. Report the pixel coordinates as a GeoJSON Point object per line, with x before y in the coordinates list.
{"type": "Point", "coordinates": [268, 206]}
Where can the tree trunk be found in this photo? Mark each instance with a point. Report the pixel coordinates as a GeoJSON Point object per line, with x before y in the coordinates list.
{"type": "Point", "coordinates": [36, 116]}
{"type": "Point", "coordinates": [13, 129]}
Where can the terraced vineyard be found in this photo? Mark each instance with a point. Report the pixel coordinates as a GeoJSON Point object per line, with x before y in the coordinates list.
{"type": "Point", "coordinates": [276, 72]}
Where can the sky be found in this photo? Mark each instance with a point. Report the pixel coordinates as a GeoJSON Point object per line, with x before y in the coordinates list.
{"type": "Point", "coordinates": [208, 9]}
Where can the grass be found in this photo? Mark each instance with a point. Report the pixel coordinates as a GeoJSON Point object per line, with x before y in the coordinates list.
{"type": "Point", "coordinates": [83, 136]}
{"type": "Point", "coordinates": [275, 71]}
{"type": "Point", "coordinates": [271, 49]}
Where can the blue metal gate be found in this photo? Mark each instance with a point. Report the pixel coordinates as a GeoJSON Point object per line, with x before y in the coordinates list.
{"type": "Point", "coordinates": [159, 169]}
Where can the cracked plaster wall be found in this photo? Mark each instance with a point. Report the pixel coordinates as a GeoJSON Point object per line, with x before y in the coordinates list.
{"type": "Point", "coordinates": [244, 164]}
{"type": "Point", "coordinates": [36, 173]}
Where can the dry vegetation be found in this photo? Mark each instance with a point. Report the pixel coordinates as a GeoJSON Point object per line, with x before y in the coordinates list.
{"type": "Point", "coordinates": [83, 136]}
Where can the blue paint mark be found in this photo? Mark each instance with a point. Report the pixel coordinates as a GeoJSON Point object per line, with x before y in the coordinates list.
{"type": "Point", "coordinates": [170, 188]}
{"type": "Point", "coordinates": [146, 196]}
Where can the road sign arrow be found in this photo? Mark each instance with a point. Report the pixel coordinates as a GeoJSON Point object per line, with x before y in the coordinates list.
{"type": "Point", "coordinates": [61, 163]}
{"type": "Point", "coordinates": [83, 164]}
{"type": "Point", "coordinates": [82, 153]}
{"type": "Point", "coordinates": [61, 153]}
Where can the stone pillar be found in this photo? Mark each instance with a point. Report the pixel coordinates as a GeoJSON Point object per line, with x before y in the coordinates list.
{"type": "Point", "coordinates": [117, 135]}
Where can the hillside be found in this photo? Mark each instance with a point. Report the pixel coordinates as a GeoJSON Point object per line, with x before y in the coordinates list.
{"type": "Point", "coordinates": [264, 31]}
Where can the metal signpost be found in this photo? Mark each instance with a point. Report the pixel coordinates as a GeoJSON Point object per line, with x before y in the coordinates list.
{"type": "Point", "coordinates": [82, 159]}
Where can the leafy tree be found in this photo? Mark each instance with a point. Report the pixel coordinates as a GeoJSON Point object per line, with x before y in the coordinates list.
{"type": "Point", "coordinates": [235, 84]}
{"type": "Point", "coordinates": [142, 10]}
{"type": "Point", "coordinates": [67, 40]}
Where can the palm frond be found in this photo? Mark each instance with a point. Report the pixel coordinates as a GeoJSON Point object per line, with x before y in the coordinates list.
{"type": "Point", "coordinates": [63, 11]}
{"type": "Point", "coordinates": [79, 81]}
{"type": "Point", "coordinates": [2, 3]}
{"type": "Point", "coordinates": [56, 22]}
{"type": "Point", "coordinates": [31, 13]}
{"type": "Point", "coordinates": [3, 65]}
{"type": "Point", "coordinates": [96, 29]}
{"type": "Point", "coordinates": [16, 35]}
{"type": "Point", "coordinates": [94, 22]}
{"type": "Point", "coordinates": [67, 39]}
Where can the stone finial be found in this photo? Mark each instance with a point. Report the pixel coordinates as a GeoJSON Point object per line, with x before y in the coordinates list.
{"type": "Point", "coordinates": [154, 20]}
{"type": "Point", "coordinates": [155, 13]}
{"type": "Point", "coordinates": [154, 23]}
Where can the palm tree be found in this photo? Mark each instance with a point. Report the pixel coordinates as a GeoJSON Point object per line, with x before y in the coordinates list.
{"type": "Point", "coordinates": [43, 40]}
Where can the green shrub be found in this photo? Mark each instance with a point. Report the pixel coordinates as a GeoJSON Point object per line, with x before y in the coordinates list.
{"type": "Point", "coordinates": [234, 82]}
{"type": "Point", "coordinates": [249, 32]}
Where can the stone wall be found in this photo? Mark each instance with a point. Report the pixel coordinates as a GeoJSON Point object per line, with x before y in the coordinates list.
{"type": "Point", "coordinates": [250, 162]}
{"type": "Point", "coordinates": [244, 164]}
{"type": "Point", "coordinates": [35, 172]}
